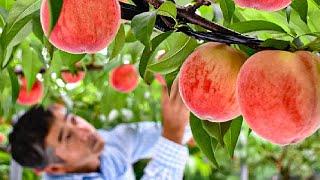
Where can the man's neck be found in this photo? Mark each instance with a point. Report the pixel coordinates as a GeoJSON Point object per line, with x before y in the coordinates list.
{"type": "Point", "coordinates": [92, 166]}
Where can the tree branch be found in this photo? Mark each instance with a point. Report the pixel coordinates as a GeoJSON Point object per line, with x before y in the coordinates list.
{"type": "Point", "coordinates": [216, 33]}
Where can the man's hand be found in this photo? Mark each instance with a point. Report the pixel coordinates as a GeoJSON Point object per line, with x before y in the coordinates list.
{"type": "Point", "coordinates": [175, 114]}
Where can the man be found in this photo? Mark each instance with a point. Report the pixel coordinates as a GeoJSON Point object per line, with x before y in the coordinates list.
{"type": "Point", "coordinates": [67, 147]}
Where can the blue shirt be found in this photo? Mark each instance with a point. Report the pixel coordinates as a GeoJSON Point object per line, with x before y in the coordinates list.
{"type": "Point", "coordinates": [128, 143]}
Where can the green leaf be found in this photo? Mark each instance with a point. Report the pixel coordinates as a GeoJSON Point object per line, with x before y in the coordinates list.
{"type": "Point", "coordinates": [7, 4]}
{"type": "Point", "coordinates": [118, 42]}
{"type": "Point", "coordinates": [142, 26]}
{"type": "Point", "coordinates": [227, 7]}
{"type": "Point", "coordinates": [14, 84]}
{"type": "Point", "coordinates": [147, 53]}
{"type": "Point", "coordinates": [232, 135]}
{"type": "Point", "coordinates": [168, 9]}
{"type": "Point", "coordinates": [31, 64]}
{"type": "Point", "coordinates": [203, 140]}
{"type": "Point", "coordinates": [55, 7]}
{"type": "Point", "coordinates": [314, 45]}
{"type": "Point", "coordinates": [207, 12]}
{"type": "Point", "coordinates": [302, 8]}
{"type": "Point", "coordinates": [216, 130]}
{"type": "Point", "coordinates": [182, 47]}
{"type": "Point", "coordinates": [3, 16]}
{"type": "Point", "coordinates": [317, 2]}
{"type": "Point", "coordinates": [214, 144]}
{"type": "Point", "coordinates": [20, 15]}
{"type": "Point", "coordinates": [6, 56]}
{"type": "Point", "coordinates": [36, 27]}
{"type": "Point", "coordinates": [277, 44]}
{"type": "Point", "coordinates": [256, 25]}
{"type": "Point", "coordinates": [70, 59]}
{"type": "Point", "coordinates": [56, 63]}
{"type": "Point", "coordinates": [18, 27]}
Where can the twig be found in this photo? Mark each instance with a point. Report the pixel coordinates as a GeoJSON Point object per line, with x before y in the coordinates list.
{"type": "Point", "coordinates": [186, 15]}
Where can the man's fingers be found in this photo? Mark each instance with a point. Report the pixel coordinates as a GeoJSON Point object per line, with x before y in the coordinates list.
{"type": "Point", "coordinates": [174, 89]}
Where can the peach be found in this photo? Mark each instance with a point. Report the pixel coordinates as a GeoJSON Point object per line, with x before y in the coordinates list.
{"type": "Point", "coordinates": [124, 78]}
{"type": "Point", "coordinates": [266, 5]}
{"type": "Point", "coordinates": [83, 26]}
{"type": "Point", "coordinates": [279, 95]}
{"type": "Point", "coordinates": [69, 77]}
{"type": "Point", "coordinates": [31, 97]}
{"type": "Point", "coordinates": [2, 138]}
{"type": "Point", "coordinates": [207, 82]}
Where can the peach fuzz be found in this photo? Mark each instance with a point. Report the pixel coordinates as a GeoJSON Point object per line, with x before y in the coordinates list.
{"type": "Point", "coordinates": [124, 78]}
{"type": "Point", "coordinates": [83, 26]}
{"type": "Point", "coordinates": [31, 97]}
{"type": "Point", "coordinates": [266, 5]}
{"type": "Point", "coordinates": [207, 81]}
{"type": "Point", "coordinates": [279, 95]}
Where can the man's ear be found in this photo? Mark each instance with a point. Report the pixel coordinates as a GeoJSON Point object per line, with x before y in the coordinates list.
{"type": "Point", "coordinates": [55, 169]}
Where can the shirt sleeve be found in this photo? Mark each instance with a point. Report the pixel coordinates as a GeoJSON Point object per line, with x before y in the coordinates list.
{"type": "Point", "coordinates": [135, 141]}
{"type": "Point", "coordinates": [168, 161]}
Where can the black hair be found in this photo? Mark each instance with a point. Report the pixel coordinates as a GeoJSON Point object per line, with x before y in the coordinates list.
{"type": "Point", "coordinates": [27, 139]}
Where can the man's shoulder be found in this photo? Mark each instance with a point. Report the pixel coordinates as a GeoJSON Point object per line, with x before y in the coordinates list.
{"type": "Point", "coordinates": [74, 176]}
{"type": "Point", "coordinates": [134, 125]}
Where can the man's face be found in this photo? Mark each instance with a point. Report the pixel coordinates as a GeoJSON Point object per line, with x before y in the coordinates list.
{"type": "Point", "coordinates": [74, 141]}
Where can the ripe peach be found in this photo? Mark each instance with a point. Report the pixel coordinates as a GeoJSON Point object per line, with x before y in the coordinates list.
{"type": "Point", "coordinates": [33, 96]}
{"type": "Point", "coordinates": [279, 95]}
{"type": "Point", "coordinates": [2, 138]}
{"type": "Point", "coordinates": [124, 78]}
{"type": "Point", "coordinates": [69, 77]}
{"type": "Point", "coordinates": [83, 26]}
{"type": "Point", "coordinates": [207, 82]}
{"type": "Point", "coordinates": [267, 5]}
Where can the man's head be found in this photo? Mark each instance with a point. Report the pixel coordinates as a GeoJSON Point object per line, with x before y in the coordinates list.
{"type": "Point", "coordinates": [55, 141]}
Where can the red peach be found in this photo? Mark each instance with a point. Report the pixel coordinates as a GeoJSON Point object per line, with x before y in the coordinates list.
{"type": "Point", "coordinates": [69, 77]}
{"type": "Point", "coordinates": [267, 5]}
{"type": "Point", "coordinates": [83, 26]}
{"type": "Point", "coordinates": [279, 95]}
{"type": "Point", "coordinates": [124, 78]}
{"type": "Point", "coordinates": [207, 82]}
{"type": "Point", "coordinates": [2, 138]}
{"type": "Point", "coordinates": [33, 96]}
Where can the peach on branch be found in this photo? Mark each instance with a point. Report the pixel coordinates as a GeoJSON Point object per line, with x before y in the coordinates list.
{"type": "Point", "coordinates": [124, 78]}
{"type": "Point", "coordinates": [69, 77]}
{"type": "Point", "coordinates": [2, 138]}
{"type": "Point", "coordinates": [83, 26]}
{"type": "Point", "coordinates": [207, 82]}
{"type": "Point", "coordinates": [279, 95]}
{"type": "Point", "coordinates": [267, 5]}
{"type": "Point", "coordinates": [31, 97]}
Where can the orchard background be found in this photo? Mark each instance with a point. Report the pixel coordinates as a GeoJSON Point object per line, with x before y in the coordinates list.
{"type": "Point", "coordinates": [157, 36]}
